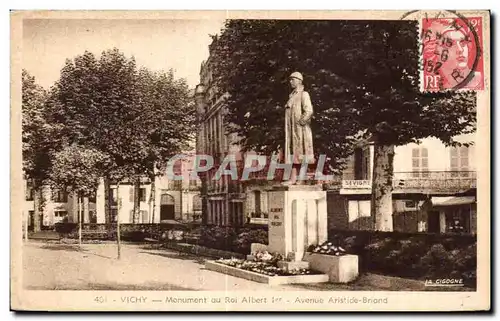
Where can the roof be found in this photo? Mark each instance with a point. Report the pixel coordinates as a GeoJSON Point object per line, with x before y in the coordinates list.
{"type": "Point", "coordinates": [453, 201]}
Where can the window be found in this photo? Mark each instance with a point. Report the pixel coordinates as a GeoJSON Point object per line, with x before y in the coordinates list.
{"type": "Point", "coordinates": [193, 183]}
{"type": "Point", "coordinates": [59, 196]}
{"type": "Point", "coordinates": [93, 217]}
{"type": "Point", "coordinates": [114, 215]}
{"type": "Point", "coordinates": [29, 191]}
{"type": "Point", "coordinates": [257, 203]}
{"type": "Point", "coordinates": [145, 216]}
{"type": "Point", "coordinates": [60, 213]}
{"type": "Point", "coordinates": [142, 194]}
{"type": "Point", "coordinates": [366, 164]}
{"type": "Point", "coordinates": [60, 216]}
{"type": "Point", "coordinates": [358, 163]}
{"type": "Point", "coordinates": [362, 166]}
{"type": "Point", "coordinates": [410, 204]}
{"type": "Point", "coordinates": [197, 203]}
{"type": "Point", "coordinates": [31, 215]}
{"type": "Point", "coordinates": [420, 162]}
{"type": "Point", "coordinates": [114, 195]}
{"type": "Point", "coordinates": [459, 161]}
{"type": "Point", "coordinates": [457, 221]}
{"type": "Point", "coordinates": [359, 215]}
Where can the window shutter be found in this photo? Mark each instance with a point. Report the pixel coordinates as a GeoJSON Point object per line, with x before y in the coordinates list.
{"type": "Point", "coordinates": [145, 216]}
{"type": "Point", "coordinates": [415, 162]}
{"type": "Point", "coordinates": [131, 217]}
{"type": "Point", "coordinates": [131, 194]}
{"type": "Point", "coordinates": [464, 152]}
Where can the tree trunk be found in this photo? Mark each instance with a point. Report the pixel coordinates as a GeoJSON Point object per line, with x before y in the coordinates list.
{"type": "Point", "coordinates": [37, 207]}
{"type": "Point", "coordinates": [107, 202]}
{"type": "Point", "coordinates": [85, 209]}
{"type": "Point", "coordinates": [383, 172]}
{"type": "Point", "coordinates": [152, 198]}
{"type": "Point", "coordinates": [118, 207]}
{"type": "Point", "coordinates": [137, 200]}
{"type": "Point", "coordinates": [79, 200]}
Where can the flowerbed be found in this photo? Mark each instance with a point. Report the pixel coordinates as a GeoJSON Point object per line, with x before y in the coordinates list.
{"type": "Point", "coordinates": [261, 267]}
{"type": "Point", "coordinates": [328, 248]}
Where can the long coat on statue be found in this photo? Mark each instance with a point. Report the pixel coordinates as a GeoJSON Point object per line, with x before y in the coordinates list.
{"type": "Point", "coordinates": [298, 138]}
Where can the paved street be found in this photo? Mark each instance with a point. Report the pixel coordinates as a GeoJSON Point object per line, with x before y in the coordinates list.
{"type": "Point", "coordinates": [60, 266]}
{"type": "Point", "coordinates": [142, 267]}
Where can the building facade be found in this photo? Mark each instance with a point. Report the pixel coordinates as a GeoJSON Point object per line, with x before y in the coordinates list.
{"type": "Point", "coordinates": [434, 189]}
{"type": "Point", "coordinates": [223, 199]}
{"type": "Point", "coordinates": [227, 202]}
{"type": "Point", "coordinates": [174, 200]}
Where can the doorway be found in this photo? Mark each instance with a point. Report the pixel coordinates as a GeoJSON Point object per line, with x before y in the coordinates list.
{"type": "Point", "coordinates": [433, 222]}
{"type": "Point", "coordinates": [167, 207]}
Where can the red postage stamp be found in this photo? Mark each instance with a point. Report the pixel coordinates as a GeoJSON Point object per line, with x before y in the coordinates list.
{"type": "Point", "coordinates": [452, 53]}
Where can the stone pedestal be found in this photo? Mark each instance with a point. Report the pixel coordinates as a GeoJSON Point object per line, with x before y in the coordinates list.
{"type": "Point", "coordinates": [257, 247]}
{"type": "Point", "coordinates": [340, 269]}
{"type": "Point", "coordinates": [293, 265]}
{"type": "Point", "coordinates": [297, 219]}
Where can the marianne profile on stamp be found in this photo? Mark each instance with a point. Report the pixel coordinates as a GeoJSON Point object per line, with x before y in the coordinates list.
{"type": "Point", "coordinates": [450, 53]}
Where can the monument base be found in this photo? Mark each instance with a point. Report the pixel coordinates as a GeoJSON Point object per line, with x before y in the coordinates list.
{"type": "Point", "coordinates": [293, 265]}
{"type": "Point", "coordinates": [297, 219]}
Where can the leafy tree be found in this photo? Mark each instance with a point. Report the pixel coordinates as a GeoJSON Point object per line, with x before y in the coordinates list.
{"type": "Point", "coordinates": [167, 121]}
{"type": "Point", "coordinates": [36, 141]}
{"type": "Point", "coordinates": [78, 169]}
{"type": "Point", "coordinates": [138, 117]}
{"type": "Point", "coordinates": [362, 77]}
{"type": "Point", "coordinates": [93, 100]}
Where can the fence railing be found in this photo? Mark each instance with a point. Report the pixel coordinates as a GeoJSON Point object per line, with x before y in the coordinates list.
{"type": "Point", "coordinates": [421, 180]}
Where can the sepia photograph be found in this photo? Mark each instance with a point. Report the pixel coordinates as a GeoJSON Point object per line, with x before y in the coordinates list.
{"type": "Point", "coordinates": [250, 161]}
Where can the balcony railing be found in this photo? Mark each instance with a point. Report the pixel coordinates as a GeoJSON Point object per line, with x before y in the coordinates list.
{"type": "Point", "coordinates": [432, 180]}
{"type": "Point", "coordinates": [435, 180]}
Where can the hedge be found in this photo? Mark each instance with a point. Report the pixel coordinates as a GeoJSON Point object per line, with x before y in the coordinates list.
{"type": "Point", "coordinates": [235, 239]}
{"type": "Point", "coordinates": [232, 239]}
{"type": "Point", "coordinates": [414, 255]}
{"type": "Point", "coordinates": [128, 232]}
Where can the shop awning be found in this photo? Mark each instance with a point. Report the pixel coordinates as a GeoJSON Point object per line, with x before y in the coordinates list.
{"type": "Point", "coordinates": [453, 201]}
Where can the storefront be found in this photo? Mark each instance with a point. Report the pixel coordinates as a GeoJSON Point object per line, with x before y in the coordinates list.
{"type": "Point", "coordinates": [455, 214]}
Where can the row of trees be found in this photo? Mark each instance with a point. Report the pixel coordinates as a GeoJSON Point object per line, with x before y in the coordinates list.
{"type": "Point", "coordinates": [363, 78]}
{"type": "Point", "coordinates": [105, 119]}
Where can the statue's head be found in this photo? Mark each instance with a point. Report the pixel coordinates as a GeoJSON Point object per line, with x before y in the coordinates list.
{"type": "Point", "coordinates": [296, 79]}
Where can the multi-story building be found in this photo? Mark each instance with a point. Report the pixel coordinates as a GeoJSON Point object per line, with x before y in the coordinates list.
{"type": "Point", "coordinates": [58, 206]}
{"type": "Point", "coordinates": [224, 204]}
{"type": "Point", "coordinates": [228, 202]}
{"type": "Point", "coordinates": [434, 189]}
{"type": "Point", "coordinates": [174, 200]}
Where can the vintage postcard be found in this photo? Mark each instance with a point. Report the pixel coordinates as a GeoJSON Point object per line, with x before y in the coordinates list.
{"type": "Point", "coordinates": [250, 160]}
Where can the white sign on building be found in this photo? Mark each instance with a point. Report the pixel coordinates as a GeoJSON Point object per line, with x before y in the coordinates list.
{"type": "Point", "coordinates": [356, 184]}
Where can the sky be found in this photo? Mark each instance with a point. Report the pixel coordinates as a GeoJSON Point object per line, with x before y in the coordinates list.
{"type": "Point", "coordinates": [155, 44]}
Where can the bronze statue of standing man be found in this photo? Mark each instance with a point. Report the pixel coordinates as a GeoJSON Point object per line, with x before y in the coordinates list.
{"type": "Point", "coordinates": [298, 133]}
